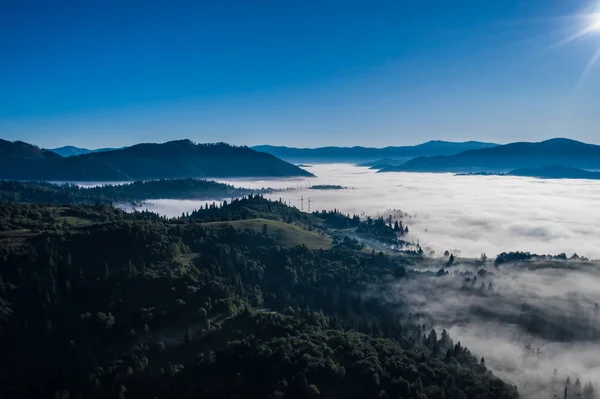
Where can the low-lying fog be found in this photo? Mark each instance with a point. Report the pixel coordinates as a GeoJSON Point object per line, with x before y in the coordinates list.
{"type": "Point", "coordinates": [467, 215]}
{"type": "Point", "coordinates": [546, 305]}
{"type": "Point", "coordinates": [536, 324]}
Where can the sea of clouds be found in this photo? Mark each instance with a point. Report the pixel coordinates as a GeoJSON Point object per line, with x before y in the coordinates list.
{"type": "Point", "coordinates": [470, 215]}
{"type": "Point", "coordinates": [466, 215]}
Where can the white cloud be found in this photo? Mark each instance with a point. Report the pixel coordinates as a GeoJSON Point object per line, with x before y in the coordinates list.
{"type": "Point", "coordinates": [545, 305]}
{"type": "Point", "coordinates": [464, 214]}
{"type": "Point", "coordinates": [474, 214]}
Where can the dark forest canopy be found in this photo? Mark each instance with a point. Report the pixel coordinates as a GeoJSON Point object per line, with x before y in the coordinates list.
{"type": "Point", "coordinates": [49, 193]}
{"type": "Point", "coordinates": [511, 257]}
{"type": "Point", "coordinates": [99, 303]}
{"type": "Point", "coordinates": [327, 187]}
{"type": "Point", "coordinates": [174, 159]}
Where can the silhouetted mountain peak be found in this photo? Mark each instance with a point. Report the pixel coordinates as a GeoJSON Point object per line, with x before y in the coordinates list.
{"type": "Point", "coordinates": [564, 143]}
{"type": "Point", "coordinates": [21, 149]}
{"type": "Point", "coordinates": [173, 159]}
{"type": "Point", "coordinates": [561, 140]}
{"type": "Point", "coordinates": [502, 158]}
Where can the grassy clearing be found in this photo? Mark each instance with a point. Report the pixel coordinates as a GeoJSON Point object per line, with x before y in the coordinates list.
{"type": "Point", "coordinates": [288, 235]}
{"type": "Point", "coordinates": [76, 221]}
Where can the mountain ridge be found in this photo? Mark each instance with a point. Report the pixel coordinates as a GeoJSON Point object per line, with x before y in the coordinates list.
{"type": "Point", "coordinates": [72, 151]}
{"type": "Point", "coordinates": [144, 161]}
{"type": "Point", "coordinates": [365, 154]}
{"type": "Point", "coordinates": [507, 157]}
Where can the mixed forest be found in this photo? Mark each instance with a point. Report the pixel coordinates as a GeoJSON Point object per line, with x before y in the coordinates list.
{"type": "Point", "coordinates": [246, 299]}
{"type": "Point", "coordinates": [136, 192]}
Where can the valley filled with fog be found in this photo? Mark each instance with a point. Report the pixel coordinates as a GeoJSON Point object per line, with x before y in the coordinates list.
{"type": "Point", "coordinates": [466, 215]}
{"type": "Point", "coordinates": [535, 323]}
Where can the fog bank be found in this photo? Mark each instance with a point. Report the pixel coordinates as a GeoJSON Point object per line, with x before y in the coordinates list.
{"type": "Point", "coordinates": [535, 323]}
{"type": "Point", "coordinates": [464, 214]}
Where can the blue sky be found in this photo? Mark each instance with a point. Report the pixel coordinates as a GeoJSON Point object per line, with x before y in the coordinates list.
{"type": "Point", "coordinates": [299, 73]}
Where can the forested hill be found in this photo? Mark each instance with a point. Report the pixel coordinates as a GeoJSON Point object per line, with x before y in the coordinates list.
{"type": "Point", "coordinates": [98, 303]}
{"type": "Point", "coordinates": [174, 159]}
{"type": "Point", "coordinates": [48, 193]}
{"type": "Point", "coordinates": [504, 158]}
{"type": "Point", "coordinates": [19, 150]}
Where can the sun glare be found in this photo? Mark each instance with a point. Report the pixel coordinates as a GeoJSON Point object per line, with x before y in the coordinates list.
{"type": "Point", "coordinates": [595, 23]}
{"type": "Point", "coordinates": [589, 25]}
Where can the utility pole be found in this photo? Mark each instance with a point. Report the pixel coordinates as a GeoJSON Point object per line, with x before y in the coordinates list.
{"type": "Point", "coordinates": [302, 203]}
{"type": "Point", "coordinates": [309, 202]}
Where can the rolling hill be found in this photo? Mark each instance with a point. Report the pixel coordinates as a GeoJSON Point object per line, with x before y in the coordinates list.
{"type": "Point", "coordinates": [504, 158]}
{"type": "Point", "coordinates": [18, 150]}
{"type": "Point", "coordinates": [287, 235]}
{"type": "Point", "coordinates": [174, 159]}
{"type": "Point", "coordinates": [367, 154]}
{"type": "Point", "coordinates": [71, 151]}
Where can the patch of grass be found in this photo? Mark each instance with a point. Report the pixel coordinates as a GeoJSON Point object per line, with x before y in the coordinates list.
{"type": "Point", "coordinates": [76, 221]}
{"type": "Point", "coordinates": [288, 235]}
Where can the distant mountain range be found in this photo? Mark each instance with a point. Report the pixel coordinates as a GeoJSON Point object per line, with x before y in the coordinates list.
{"type": "Point", "coordinates": [383, 163]}
{"type": "Point", "coordinates": [555, 158]}
{"type": "Point", "coordinates": [71, 151]}
{"type": "Point", "coordinates": [367, 154]}
{"type": "Point", "coordinates": [505, 158]}
{"type": "Point", "coordinates": [174, 159]}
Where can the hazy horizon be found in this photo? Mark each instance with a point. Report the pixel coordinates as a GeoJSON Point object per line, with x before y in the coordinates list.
{"type": "Point", "coordinates": [346, 145]}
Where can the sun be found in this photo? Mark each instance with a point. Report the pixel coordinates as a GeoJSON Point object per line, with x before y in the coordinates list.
{"type": "Point", "coordinates": [589, 25]}
{"type": "Point", "coordinates": [595, 23]}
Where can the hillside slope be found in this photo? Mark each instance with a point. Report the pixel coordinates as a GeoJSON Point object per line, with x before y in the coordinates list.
{"type": "Point", "coordinates": [49, 193]}
{"type": "Point", "coordinates": [287, 235]}
{"type": "Point", "coordinates": [504, 158]}
{"type": "Point", "coordinates": [174, 159]}
{"type": "Point", "coordinates": [16, 150]}
{"type": "Point", "coordinates": [99, 303]}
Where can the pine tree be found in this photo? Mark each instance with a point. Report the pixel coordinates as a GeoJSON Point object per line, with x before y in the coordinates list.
{"type": "Point", "coordinates": [451, 260]}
